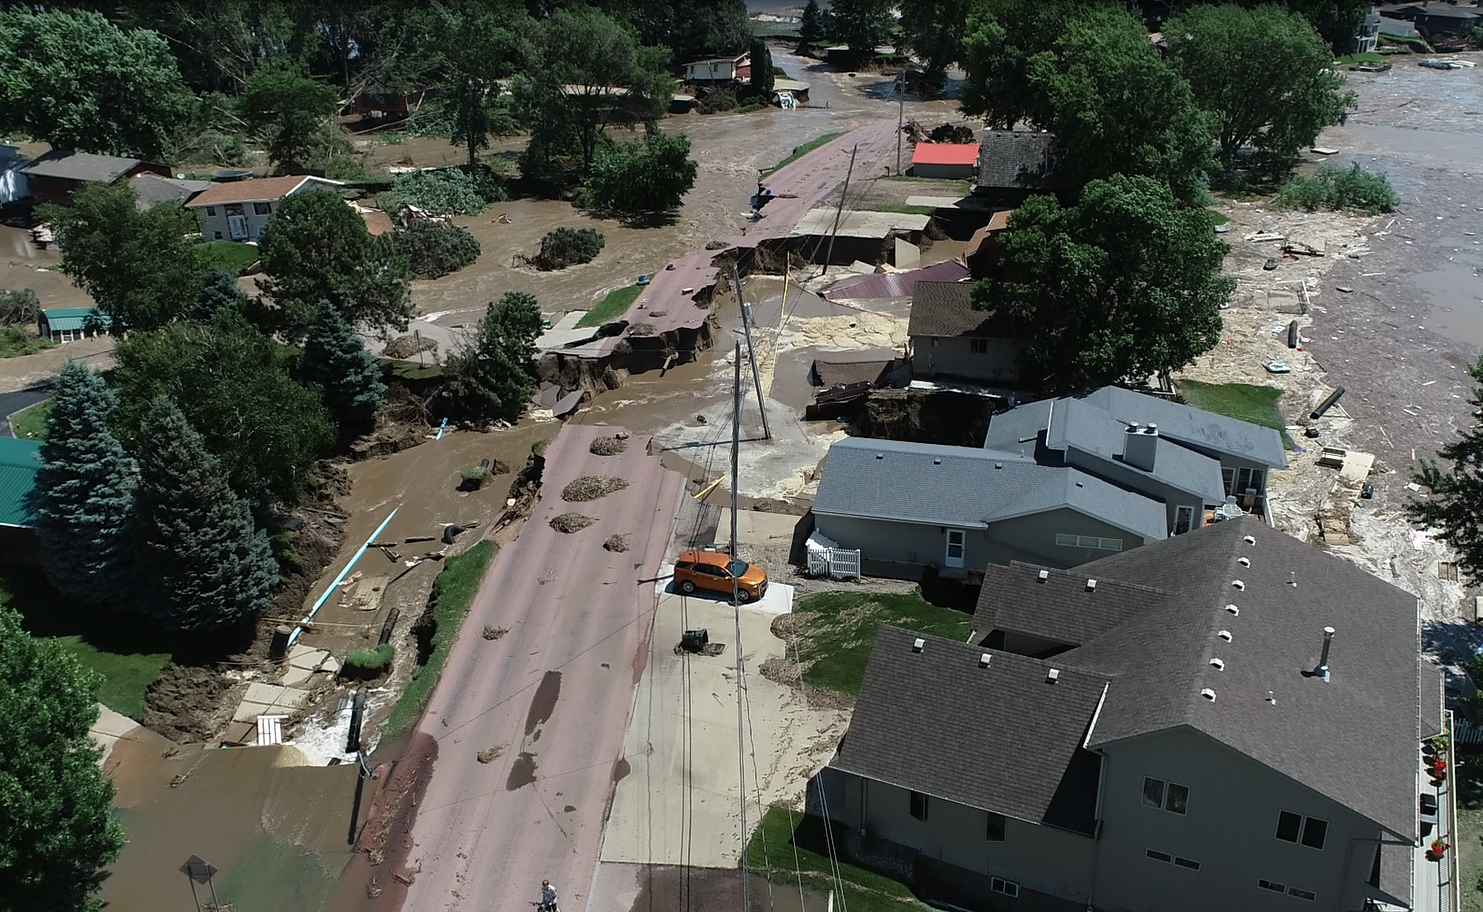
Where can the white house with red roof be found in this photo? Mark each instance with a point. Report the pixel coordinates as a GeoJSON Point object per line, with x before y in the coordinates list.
{"type": "Point", "coordinates": [239, 210]}
{"type": "Point", "coordinates": [951, 161]}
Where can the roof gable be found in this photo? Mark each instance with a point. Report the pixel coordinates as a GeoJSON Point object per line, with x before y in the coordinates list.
{"type": "Point", "coordinates": [1077, 424]}
{"type": "Point", "coordinates": [1059, 605]}
{"type": "Point", "coordinates": [81, 166]}
{"type": "Point", "coordinates": [257, 190]}
{"type": "Point", "coordinates": [1194, 427]}
{"type": "Point", "coordinates": [946, 309]}
{"type": "Point", "coordinates": [1015, 159]}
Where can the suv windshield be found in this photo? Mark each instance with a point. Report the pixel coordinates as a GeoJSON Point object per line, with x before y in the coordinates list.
{"type": "Point", "coordinates": [737, 568]}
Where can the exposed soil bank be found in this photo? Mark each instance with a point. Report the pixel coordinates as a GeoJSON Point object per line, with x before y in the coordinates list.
{"type": "Point", "coordinates": [951, 419]}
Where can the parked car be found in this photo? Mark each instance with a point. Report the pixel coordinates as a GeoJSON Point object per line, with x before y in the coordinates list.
{"type": "Point", "coordinates": [714, 571]}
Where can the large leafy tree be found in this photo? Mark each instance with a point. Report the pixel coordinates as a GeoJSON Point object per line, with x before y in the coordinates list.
{"type": "Point", "coordinates": [316, 248]}
{"type": "Point", "coordinates": [999, 39]}
{"type": "Point", "coordinates": [1265, 76]}
{"type": "Point", "coordinates": [1453, 507]}
{"type": "Point", "coordinates": [1116, 107]}
{"type": "Point", "coordinates": [478, 47]}
{"type": "Point", "coordinates": [79, 82]}
{"type": "Point", "coordinates": [349, 379]}
{"type": "Point", "coordinates": [933, 29]}
{"type": "Point", "coordinates": [140, 268]}
{"type": "Point", "coordinates": [1335, 20]}
{"type": "Point", "coordinates": [1123, 285]}
{"type": "Point", "coordinates": [234, 385]}
{"type": "Point", "coordinates": [59, 827]}
{"type": "Point", "coordinates": [84, 493]}
{"type": "Point", "coordinates": [202, 564]}
{"type": "Point", "coordinates": [492, 374]}
{"type": "Point", "coordinates": [290, 110]}
{"type": "Point", "coordinates": [862, 24]}
{"type": "Point", "coordinates": [632, 179]}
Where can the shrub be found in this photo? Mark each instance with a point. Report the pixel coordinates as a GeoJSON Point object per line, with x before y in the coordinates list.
{"type": "Point", "coordinates": [719, 100]}
{"type": "Point", "coordinates": [367, 662]}
{"type": "Point", "coordinates": [1340, 188]}
{"type": "Point", "coordinates": [568, 247]}
{"type": "Point", "coordinates": [435, 248]}
{"type": "Point", "coordinates": [19, 306]}
{"type": "Point", "coordinates": [449, 191]}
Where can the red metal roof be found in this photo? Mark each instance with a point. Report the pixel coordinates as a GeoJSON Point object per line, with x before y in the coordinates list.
{"type": "Point", "coordinates": [945, 154]}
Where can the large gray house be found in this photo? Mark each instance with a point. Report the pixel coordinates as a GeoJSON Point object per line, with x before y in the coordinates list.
{"type": "Point", "coordinates": [950, 339]}
{"type": "Point", "coordinates": [1058, 482]}
{"type": "Point", "coordinates": [1227, 720]}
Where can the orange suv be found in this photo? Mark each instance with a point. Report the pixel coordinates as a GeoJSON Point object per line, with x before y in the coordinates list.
{"type": "Point", "coordinates": [715, 570]}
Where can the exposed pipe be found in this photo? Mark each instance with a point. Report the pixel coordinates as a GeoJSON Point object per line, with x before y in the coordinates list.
{"type": "Point", "coordinates": [1326, 404]}
{"type": "Point", "coordinates": [299, 628]}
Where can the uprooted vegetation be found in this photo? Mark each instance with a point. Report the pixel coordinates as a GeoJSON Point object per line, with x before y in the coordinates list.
{"type": "Point", "coordinates": [571, 522]}
{"type": "Point", "coordinates": [616, 543]}
{"type": "Point", "coordinates": [592, 487]}
{"type": "Point", "coordinates": [563, 247]}
{"type": "Point", "coordinates": [608, 446]}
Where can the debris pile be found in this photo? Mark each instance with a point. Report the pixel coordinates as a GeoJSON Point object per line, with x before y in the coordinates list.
{"type": "Point", "coordinates": [617, 543]}
{"type": "Point", "coordinates": [609, 446]}
{"type": "Point", "coordinates": [591, 487]}
{"type": "Point", "coordinates": [571, 522]}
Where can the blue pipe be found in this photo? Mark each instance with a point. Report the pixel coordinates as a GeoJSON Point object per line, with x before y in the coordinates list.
{"type": "Point", "coordinates": [440, 429]}
{"type": "Point", "coordinates": [323, 598]}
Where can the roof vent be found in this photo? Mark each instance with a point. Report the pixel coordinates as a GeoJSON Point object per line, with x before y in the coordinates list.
{"type": "Point", "coordinates": [1244, 561]}
{"type": "Point", "coordinates": [1053, 675]}
{"type": "Point", "coordinates": [880, 455]}
{"type": "Point", "coordinates": [937, 461]}
{"type": "Point", "coordinates": [917, 644]}
{"type": "Point", "coordinates": [998, 465]}
{"type": "Point", "coordinates": [1218, 664]}
{"type": "Point", "coordinates": [1239, 585]}
{"type": "Point", "coordinates": [1250, 539]}
{"type": "Point", "coordinates": [1043, 575]}
{"type": "Point", "coordinates": [1225, 635]}
{"type": "Point", "coordinates": [1208, 694]}
{"type": "Point", "coordinates": [983, 660]}
{"type": "Point", "coordinates": [1233, 610]}
{"type": "Point", "coordinates": [1091, 585]}
{"type": "Point", "coordinates": [1271, 698]}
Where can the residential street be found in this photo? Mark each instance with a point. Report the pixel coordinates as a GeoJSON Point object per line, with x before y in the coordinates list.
{"type": "Point", "coordinates": [551, 697]}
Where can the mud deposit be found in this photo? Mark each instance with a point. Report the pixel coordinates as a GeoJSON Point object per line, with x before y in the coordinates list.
{"type": "Point", "coordinates": [664, 888]}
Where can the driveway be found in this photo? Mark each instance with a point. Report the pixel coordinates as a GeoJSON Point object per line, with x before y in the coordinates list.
{"type": "Point", "coordinates": [10, 403]}
{"type": "Point", "coordinates": [547, 701]}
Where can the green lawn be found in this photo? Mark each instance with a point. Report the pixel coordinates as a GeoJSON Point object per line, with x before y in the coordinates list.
{"type": "Point", "coordinates": [453, 594]}
{"type": "Point", "coordinates": [1218, 218]}
{"type": "Point", "coordinates": [1368, 57]}
{"type": "Point", "coordinates": [114, 645]}
{"type": "Point", "coordinates": [1468, 841]}
{"type": "Point", "coordinates": [21, 340]}
{"type": "Point", "coordinates": [1252, 402]}
{"type": "Point", "coordinates": [412, 370]}
{"type": "Point", "coordinates": [839, 629]}
{"type": "Point", "coordinates": [801, 151]}
{"type": "Point", "coordinates": [31, 422]}
{"type": "Point", "coordinates": [229, 255]}
{"type": "Point", "coordinates": [772, 854]}
{"type": "Point", "coordinates": [613, 306]}
{"type": "Point", "coordinates": [898, 207]}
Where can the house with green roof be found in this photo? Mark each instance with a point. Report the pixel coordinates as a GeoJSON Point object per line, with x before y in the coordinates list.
{"type": "Point", "coordinates": [64, 324]}
{"type": "Point", "coordinates": [19, 462]}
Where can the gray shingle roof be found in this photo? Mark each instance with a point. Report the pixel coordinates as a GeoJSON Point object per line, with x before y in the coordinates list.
{"type": "Point", "coordinates": [961, 486]}
{"type": "Point", "coordinates": [81, 166]}
{"type": "Point", "coordinates": [153, 189]}
{"type": "Point", "coordinates": [1352, 739]}
{"type": "Point", "coordinates": [1061, 607]}
{"type": "Point", "coordinates": [946, 309]}
{"type": "Point", "coordinates": [1091, 430]}
{"type": "Point", "coordinates": [1015, 159]}
{"type": "Point", "coordinates": [1194, 427]}
{"type": "Point", "coordinates": [1021, 754]}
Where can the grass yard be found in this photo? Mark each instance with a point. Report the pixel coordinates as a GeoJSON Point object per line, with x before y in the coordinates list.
{"type": "Point", "coordinates": [838, 629]}
{"type": "Point", "coordinates": [411, 370]}
{"type": "Point", "coordinates": [772, 854]}
{"type": "Point", "coordinates": [20, 340]}
{"type": "Point", "coordinates": [898, 207]}
{"type": "Point", "coordinates": [1253, 402]}
{"type": "Point", "coordinates": [1468, 780]}
{"type": "Point", "coordinates": [128, 657]}
{"type": "Point", "coordinates": [801, 151]}
{"type": "Point", "coordinates": [452, 596]}
{"type": "Point", "coordinates": [229, 255]}
{"type": "Point", "coordinates": [613, 306]}
{"type": "Point", "coordinates": [1367, 57]}
{"type": "Point", "coordinates": [31, 422]}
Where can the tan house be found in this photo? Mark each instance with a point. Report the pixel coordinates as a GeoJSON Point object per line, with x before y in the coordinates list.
{"type": "Point", "coordinates": [949, 338]}
{"type": "Point", "coordinates": [239, 210]}
{"type": "Point", "coordinates": [1226, 721]}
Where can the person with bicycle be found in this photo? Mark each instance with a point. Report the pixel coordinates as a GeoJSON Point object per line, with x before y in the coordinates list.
{"type": "Point", "coordinates": [548, 897]}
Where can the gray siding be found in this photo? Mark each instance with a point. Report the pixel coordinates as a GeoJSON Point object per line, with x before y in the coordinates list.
{"type": "Point", "coordinates": [953, 356]}
{"type": "Point", "coordinates": [1229, 828]}
{"type": "Point", "coordinates": [1119, 474]}
{"type": "Point", "coordinates": [944, 172]}
{"type": "Point", "coordinates": [1028, 538]}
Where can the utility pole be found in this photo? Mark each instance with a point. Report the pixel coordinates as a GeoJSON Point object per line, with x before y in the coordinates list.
{"type": "Point", "coordinates": [741, 752]}
{"type": "Point", "coordinates": [840, 210]}
{"type": "Point", "coordinates": [746, 312]}
{"type": "Point", "coordinates": [900, 113]}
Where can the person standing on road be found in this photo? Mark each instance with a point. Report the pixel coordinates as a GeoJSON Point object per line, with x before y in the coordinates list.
{"type": "Point", "coordinates": [548, 896]}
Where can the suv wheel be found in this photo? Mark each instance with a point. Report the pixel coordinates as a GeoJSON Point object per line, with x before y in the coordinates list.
{"type": "Point", "coordinates": [743, 596]}
{"type": "Point", "coordinates": [687, 587]}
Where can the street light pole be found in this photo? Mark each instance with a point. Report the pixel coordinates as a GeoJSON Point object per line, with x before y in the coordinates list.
{"type": "Point", "coordinates": [900, 114]}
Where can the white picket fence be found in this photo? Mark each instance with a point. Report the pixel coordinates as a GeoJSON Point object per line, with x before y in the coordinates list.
{"type": "Point", "coordinates": [826, 558]}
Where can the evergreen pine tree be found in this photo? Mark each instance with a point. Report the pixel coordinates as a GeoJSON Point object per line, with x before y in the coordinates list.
{"type": "Point", "coordinates": [221, 290]}
{"type": "Point", "coordinates": [811, 27]}
{"type": "Point", "coordinates": [348, 375]}
{"type": "Point", "coordinates": [84, 493]}
{"type": "Point", "coordinates": [201, 563]}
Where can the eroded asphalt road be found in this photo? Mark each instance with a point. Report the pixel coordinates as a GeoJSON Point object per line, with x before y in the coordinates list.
{"type": "Point", "coordinates": [550, 697]}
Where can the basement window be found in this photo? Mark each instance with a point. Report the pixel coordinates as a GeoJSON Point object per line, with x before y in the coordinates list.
{"type": "Point", "coordinates": [994, 832]}
{"type": "Point", "coordinates": [979, 346]}
{"type": "Point", "coordinates": [918, 806]}
{"type": "Point", "coordinates": [1005, 887]}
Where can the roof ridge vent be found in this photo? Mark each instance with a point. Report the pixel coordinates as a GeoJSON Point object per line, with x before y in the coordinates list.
{"type": "Point", "coordinates": [1208, 694]}
{"type": "Point", "coordinates": [1218, 664]}
{"type": "Point", "coordinates": [918, 644]}
{"type": "Point", "coordinates": [1052, 675]}
{"type": "Point", "coordinates": [1239, 585]}
{"type": "Point", "coordinates": [1043, 575]}
{"type": "Point", "coordinates": [1225, 635]}
{"type": "Point", "coordinates": [1091, 584]}
{"type": "Point", "coordinates": [983, 659]}
{"type": "Point", "coordinates": [1250, 539]}
{"type": "Point", "coordinates": [1244, 561]}
{"type": "Point", "coordinates": [1235, 612]}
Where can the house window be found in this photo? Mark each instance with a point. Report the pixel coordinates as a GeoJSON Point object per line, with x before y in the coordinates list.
{"type": "Point", "coordinates": [1184, 519]}
{"type": "Point", "coordinates": [1088, 541]}
{"type": "Point", "coordinates": [1156, 855]}
{"type": "Point", "coordinates": [1006, 887]}
{"type": "Point", "coordinates": [1272, 885]}
{"type": "Point", "coordinates": [979, 346]}
{"type": "Point", "coordinates": [1374, 879]}
{"type": "Point", "coordinates": [1186, 863]}
{"type": "Point", "coordinates": [210, 210]}
{"type": "Point", "coordinates": [262, 208]}
{"type": "Point", "coordinates": [1302, 894]}
{"type": "Point", "coordinates": [1229, 477]}
{"type": "Point", "coordinates": [1310, 831]}
{"type": "Point", "coordinates": [919, 806]}
{"type": "Point", "coordinates": [1249, 480]}
{"type": "Point", "coordinates": [1169, 796]}
{"type": "Point", "coordinates": [218, 235]}
{"type": "Point", "coordinates": [994, 832]}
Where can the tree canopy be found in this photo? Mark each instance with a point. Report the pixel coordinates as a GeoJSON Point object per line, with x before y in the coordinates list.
{"type": "Point", "coordinates": [492, 374]}
{"type": "Point", "coordinates": [79, 82]}
{"type": "Point", "coordinates": [763, 75]}
{"type": "Point", "coordinates": [316, 248]}
{"type": "Point", "coordinates": [141, 269]}
{"type": "Point", "coordinates": [349, 379]}
{"type": "Point", "coordinates": [999, 39]}
{"type": "Point", "coordinates": [56, 803]}
{"type": "Point", "coordinates": [1123, 285]}
{"type": "Point", "coordinates": [633, 179]}
{"type": "Point", "coordinates": [1453, 506]}
{"type": "Point", "coordinates": [933, 29]}
{"type": "Point", "coordinates": [811, 23]}
{"type": "Point", "coordinates": [220, 290]}
{"type": "Point", "coordinates": [477, 47]}
{"type": "Point", "coordinates": [862, 24]}
{"type": "Point", "coordinates": [1266, 77]}
{"type": "Point", "coordinates": [290, 110]}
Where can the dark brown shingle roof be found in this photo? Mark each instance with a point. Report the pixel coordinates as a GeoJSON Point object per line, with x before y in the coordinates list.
{"type": "Point", "coordinates": [1015, 160]}
{"type": "Point", "coordinates": [1021, 754]}
{"type": "Point", "coordinates": [1061, 607]}
{"type": "Point", "coordinates": [81, 166]}
{"type": "Point", "coordinates": [946, 309]}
